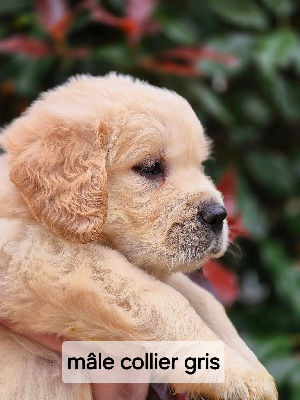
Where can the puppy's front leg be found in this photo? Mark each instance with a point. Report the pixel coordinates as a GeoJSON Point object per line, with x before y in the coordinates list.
{"type": "Point", "coordinates": [86, 291]}
{"type": "Point", "coordinates": [214, 315]}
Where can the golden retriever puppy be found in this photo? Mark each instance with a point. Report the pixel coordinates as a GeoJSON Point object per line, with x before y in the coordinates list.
{"type": "Point", "coordinates": [103, 205]}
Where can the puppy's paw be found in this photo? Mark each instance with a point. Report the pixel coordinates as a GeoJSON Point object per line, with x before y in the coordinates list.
{"type": "Point", "coordinates": [242, 382]}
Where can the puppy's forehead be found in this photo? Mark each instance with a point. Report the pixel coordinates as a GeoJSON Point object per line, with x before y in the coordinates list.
{"type": "Point", "coordinates": [165, 125]}
{"type": "Point", "coordinates": [184, 138]}
{"type": "Point", "coordinates": [142, 120]}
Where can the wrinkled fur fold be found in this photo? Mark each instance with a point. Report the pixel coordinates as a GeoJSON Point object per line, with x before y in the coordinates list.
{"type": "Point", "coordinates": [85, 245]}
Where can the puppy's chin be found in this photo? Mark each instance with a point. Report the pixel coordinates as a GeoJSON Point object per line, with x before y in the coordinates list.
{"type": "Point", "coordinates": [185, 262]}
{"type": "Point", "coordinates": [190, 244]}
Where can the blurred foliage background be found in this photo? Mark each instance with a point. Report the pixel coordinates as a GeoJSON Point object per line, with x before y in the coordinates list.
{"type": "Point", "coordinates": [238, 64]}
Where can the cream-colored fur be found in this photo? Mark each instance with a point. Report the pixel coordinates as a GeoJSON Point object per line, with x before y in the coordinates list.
{"type": "Point", "coordinates": [94, 249]}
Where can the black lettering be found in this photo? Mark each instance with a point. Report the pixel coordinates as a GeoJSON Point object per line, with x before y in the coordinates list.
{"type": "Point", "coordinates": [174, 359]}
{"type": "Point", "coordinates": [164, 363]}
{"type": "Point", "coordinates": [190, 369]}
{"type": "Point", "coordinates": [91, 361]}
{"type": "Point", "coordinates": [76, 361]}
{"type": "Point", "coordinates": [137, 366]}
{"type": "Point", "coordinates": [199, 361]}
{"type": "Point", "coordinates": [206, 360]}
{"type": "Point", "coordinates": [108, 363]}
{"type": "Point", "coordinates": [215, 361]}
{"type": "Point", "coordinates": [122, 363]}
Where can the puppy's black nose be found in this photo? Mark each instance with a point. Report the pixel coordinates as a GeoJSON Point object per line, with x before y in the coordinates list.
{"type": "Point", "coordinates": [214, 215]}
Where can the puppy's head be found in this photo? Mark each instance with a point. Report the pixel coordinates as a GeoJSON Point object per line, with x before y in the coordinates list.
{"type": "Point", "coordinates": [116, 160]}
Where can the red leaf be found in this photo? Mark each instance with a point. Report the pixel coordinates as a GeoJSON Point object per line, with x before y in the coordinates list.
{"type": "Point", "coordinates": [140, 11]}
{"type": "Point", "coordinates": [136, 22]}
{"type": "Point", "coordinates": [169, 67]}
{"type": "Point", "coordinates": [184, 60]}
{"type": "Point", "coordinates": [223, 280]}
{"type": "Point", "coordinates": [200, 52]}
{"type": "Point", "coordinates": [177, 69]}
{"type": "Point", "coordinates": [99, 14]}
{"type": "Point", "coordinates": [25, 45]}
{"type": "Point", "coordinates": [223, 58]}
{"type": "Point", "coordinates": [55, 17]}
{"type": "Point", "coordinates": [59, 30]}
{"type": "Point", "coordinates": [78, 52]}
{"type": "Point", "coordinates": [50, 12]}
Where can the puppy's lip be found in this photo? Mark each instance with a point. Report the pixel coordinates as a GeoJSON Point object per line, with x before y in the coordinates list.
{"type": "Point", "coordinates": [218, 254]}
{"type": "Point", "coordinates": [216, 249]}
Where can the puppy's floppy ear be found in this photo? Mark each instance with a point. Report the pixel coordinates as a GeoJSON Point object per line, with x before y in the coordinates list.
{"type": "Point", "coordinates": [61, 174]}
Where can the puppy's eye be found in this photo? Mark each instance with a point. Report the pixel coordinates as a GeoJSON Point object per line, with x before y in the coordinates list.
{"type": "Point", "coordinates": [150, 169]}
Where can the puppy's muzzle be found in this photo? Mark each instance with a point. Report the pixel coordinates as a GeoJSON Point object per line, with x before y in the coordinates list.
{"type": "Point", "coordinates": [213, 215]}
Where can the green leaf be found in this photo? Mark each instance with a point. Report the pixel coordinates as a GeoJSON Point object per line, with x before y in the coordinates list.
{"type": "Point", "coordinates": [14, 6]}
{"type": "Point", "coordinates": [239, 44]}
{"type": "Point", "coordinates": [117, 5]}
{"type": "Point", "coordinates": [114, 54]}
{"type": "Point", "coordinates": [243, 135]}
{"type": "Point", "coordinates": [253, 214]}
{"type": "Point", "coordinates": [282, 8]}
{"type": "Point", "coordinates": [28, 73]}
{"type": "Point", "coordinates": [254, 109]}
{"type": "Point", "coordinates": [275, 345]}
{"type": "Point", "coordinates": [286, 277]}
{"type": "Point", "coordinates": [295, 382]}
{"type": "Point", "coordinates": [244, 13]}
{"type": "Point", "coordinates": [283, 94]}
{"type": "Point", "coordinates": [211, 102]}
{"type": "Point", "coordinates": [291, 214]}
{"type": "Point", "coordinates": [281, 368]}
{"type": "Point", "coordinates": [272, 171]}
{"type": "Point", "coordinates": [275, 256]}
{"type": "Point", "coordinates": [214, 68]}
{"type": "Point", "coordinates": [180, 32]}
{"type": "Point", "coordinates": [276, 49]}
{"type": "Point", "coordinates": [296, 59]}
{"type": "Point", "coordinates": [287, 97]}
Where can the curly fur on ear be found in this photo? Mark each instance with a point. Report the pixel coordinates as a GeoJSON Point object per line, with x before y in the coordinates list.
{"type": "Point", "coordinates": [59, 167]}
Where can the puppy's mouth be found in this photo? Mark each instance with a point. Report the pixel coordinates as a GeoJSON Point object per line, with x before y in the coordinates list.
{"type": "Point", "coordinates": [199, 236]}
